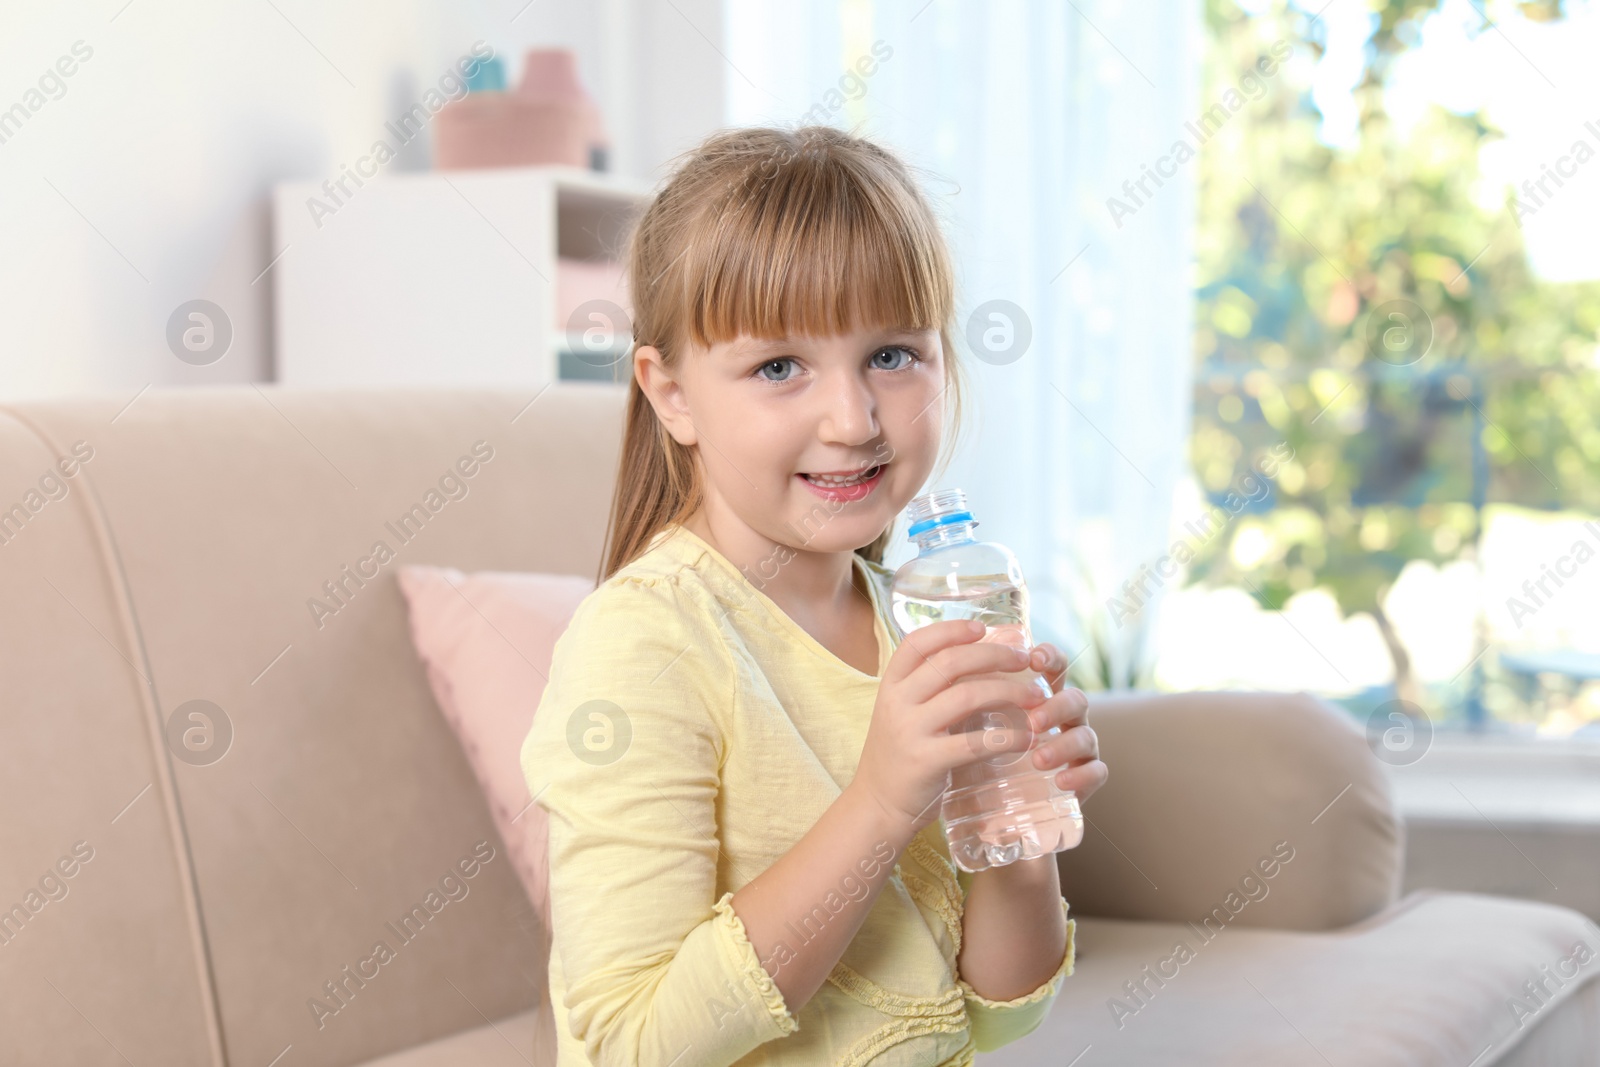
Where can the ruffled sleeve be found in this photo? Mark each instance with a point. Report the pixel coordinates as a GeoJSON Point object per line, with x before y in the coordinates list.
{"type": "Point", "coordinates": [742, 958]}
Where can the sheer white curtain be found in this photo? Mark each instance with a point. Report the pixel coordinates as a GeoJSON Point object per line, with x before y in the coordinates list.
{"type": "Point", "coordinates": [1028, 115]}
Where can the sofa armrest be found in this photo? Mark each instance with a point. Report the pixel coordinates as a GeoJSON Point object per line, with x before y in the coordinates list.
{"type": "Point", "coordinates": [1269, 806]}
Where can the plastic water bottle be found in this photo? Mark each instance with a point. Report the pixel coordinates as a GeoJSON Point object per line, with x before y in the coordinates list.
{"type": "Point", "coordinates": [999, 809]}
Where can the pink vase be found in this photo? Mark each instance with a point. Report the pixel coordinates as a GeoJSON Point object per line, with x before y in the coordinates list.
{"type": "Point", "coordinates": [547, 118]}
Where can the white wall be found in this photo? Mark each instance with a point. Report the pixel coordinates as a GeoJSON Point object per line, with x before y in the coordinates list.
{"type": "Point", "coordinates": [142, 180]}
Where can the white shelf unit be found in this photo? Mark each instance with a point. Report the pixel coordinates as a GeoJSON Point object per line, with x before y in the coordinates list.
{"type": "Point", "coordinates": [440, 278]}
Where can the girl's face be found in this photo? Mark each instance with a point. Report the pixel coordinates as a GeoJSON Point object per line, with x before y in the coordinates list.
{"type": "Point", "coordinates": [813, 443]}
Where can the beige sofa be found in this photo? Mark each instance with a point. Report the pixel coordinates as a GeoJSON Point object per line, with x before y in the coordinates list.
{"type": "Point", "coordinates": [164, 906]}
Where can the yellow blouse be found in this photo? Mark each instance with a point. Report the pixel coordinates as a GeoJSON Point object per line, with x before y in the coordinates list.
{"type": "Point", "coordinates": [689, 735]}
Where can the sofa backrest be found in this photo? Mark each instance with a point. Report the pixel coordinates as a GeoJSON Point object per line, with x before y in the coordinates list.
{"type": "Point", "coordinates": [226, 780]}
{"type": "Point", "coordinates": [1234, 809]}
{"type": "Point", "coordinates": [221, 561]}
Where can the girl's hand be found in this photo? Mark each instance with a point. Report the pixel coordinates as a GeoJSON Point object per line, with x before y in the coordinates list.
{"type": "Point", "coordinates": [928, 686]}
{"type": "Point", "coordinates": [1077, 749]}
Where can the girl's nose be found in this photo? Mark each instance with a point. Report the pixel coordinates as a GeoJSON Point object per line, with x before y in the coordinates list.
{"type": "Point", "coordinates": [850, 414]}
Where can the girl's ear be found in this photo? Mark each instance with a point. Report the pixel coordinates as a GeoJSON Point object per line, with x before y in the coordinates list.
{"type": "Point", "coordinates": [664, 393]}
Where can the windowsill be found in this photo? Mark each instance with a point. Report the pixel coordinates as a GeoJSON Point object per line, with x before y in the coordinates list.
{"type": "Point", "coordinates": [1527, 784]}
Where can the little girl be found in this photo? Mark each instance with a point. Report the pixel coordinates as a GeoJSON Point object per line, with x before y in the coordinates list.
{"type": "Point", "coordinates": [741, 764]}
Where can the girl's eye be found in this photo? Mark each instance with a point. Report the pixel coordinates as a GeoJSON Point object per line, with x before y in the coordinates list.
{"type": "Point", "coordinates": [895, 357]}
{"type": "Point", "coordinates": [894, 362]}
{"type": "Point", "coordinates": [785, 368]}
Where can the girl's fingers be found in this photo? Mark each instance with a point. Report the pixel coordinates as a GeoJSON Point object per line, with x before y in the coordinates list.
{"type": "Point", "coordinates": [1077, 745]}
{"type": "Point", "coordinates": [949, 665]}
{"type": "Point", "coordinates": [960, 749]}
{"type": "Point", "coordinates": [1083, 778]}
{"type": "Point", "coordinates": [1006, 733]}
{"type": "Point", "coordinates": [1004, 695]}
{"type": "Point", "coordinates": [1068, 708]}
{"type": "Point", "coordinates": [1048, 660]}
{"type": "Point", "coordinates": [914, 651]}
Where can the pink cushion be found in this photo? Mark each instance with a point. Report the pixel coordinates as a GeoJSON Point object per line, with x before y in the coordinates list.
{"type": "Point", "coordinates": [485, 640]}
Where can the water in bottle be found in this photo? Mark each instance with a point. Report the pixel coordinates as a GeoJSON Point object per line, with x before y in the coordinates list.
{"type": "Point", "coordinates": [1002, 808]}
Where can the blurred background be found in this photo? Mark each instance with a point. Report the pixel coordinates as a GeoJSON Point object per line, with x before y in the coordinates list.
{"type": "Point", "coordinates": [1395, 276]}
{"type": "Point", "coordinates": [1284, 317]}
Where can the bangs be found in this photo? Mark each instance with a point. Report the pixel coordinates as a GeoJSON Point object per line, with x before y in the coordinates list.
{"type": "Point", "coordinates": [817, 249]}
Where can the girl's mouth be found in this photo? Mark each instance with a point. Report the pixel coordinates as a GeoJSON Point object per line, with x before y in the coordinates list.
{"type": "Point", "coordinates": [845, 485]}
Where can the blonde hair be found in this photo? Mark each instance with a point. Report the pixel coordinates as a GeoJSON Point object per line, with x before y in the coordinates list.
{"type": "Point", "coordinates": [770, 232]}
